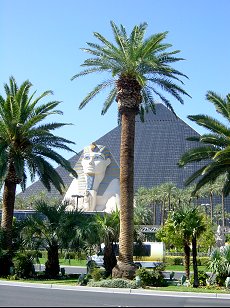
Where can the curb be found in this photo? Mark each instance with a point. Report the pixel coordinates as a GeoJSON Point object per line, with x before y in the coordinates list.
{"type": "Point", "coordinates": [114, 290]}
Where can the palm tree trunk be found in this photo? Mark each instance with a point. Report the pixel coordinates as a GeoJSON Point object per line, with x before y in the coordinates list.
{"type": "Point", "coordinates": [124, 266]}
{"type": "Point", "coordinates": [154, 213]}
{"type": "Point", "coordinates": [52, 266]}
{"type": "Point", "coordinates": [194, 261]}
{"type": "Point", "coordinates": [8, 201]}
{"type": "Point", "coordinates": [110, 259]}
{"type": "Point", "coordinates": [187, 260]}
{"type": "Point", "coordinates": [126, 187]}
{"type": "Point", "coordinates": [163, 213]}
{"type": "Point", "coordinates": [211, 207]}
{"type": "Point", "coordinates": [223, 209]}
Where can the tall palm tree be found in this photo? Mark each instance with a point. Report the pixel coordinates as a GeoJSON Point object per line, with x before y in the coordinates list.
{"type": "Point", "coordinates": [214, 149]}
{"type": "Point", "coordinates": [27, 145]}
{"type": "Point", "coordinates": [139, 68]}
{"type": "Point", "coordinates": [220, 184]}
{"type": "Point", "coordinates": [143, 214]}
{"type": "Point", "coordinates": [210, 190]}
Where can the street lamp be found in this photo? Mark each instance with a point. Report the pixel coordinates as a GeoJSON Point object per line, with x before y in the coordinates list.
{"type": "Point", "coordinates": [206, 205]}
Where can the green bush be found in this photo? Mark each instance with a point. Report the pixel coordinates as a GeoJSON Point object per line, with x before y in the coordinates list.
{"type": "Point", "coordinates": [96, 274]}
{"type": "Point", "coordinates": [73, 255]}
{"type": "Point", "coordinates": [91, 265]}
{"type": "Point", "coordinates": [23, 265]}
{"type": "Point", "coordinates": [152, 277]}
{"type": "Point", "coordinates": [44, 254]}
{"type": "Point", "coordinates": [202, 261]}
{"type": "Point", "coordinates": [202, 277]}
{"type": "Point", "coordinates": [84, 279]}
{"type": "Point", "coordinates": [173, 260]}
{"type": "Point", "coordinates": [69, 255]}
{"type": "Point", "coordinates": [113, 283]}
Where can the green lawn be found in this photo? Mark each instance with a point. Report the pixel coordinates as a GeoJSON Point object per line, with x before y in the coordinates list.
{"type": "Point", "coordinates": [180, 268]}
{"type": "Point", "coordinates": [72, 262]}
{"type": "Point", "coordinates": [75, 262]}
{"type": "Point", "coordinates": [73, 282]}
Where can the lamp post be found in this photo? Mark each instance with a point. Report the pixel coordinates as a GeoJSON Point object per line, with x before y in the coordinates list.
{"type": "Point", "coordinates": [206, 205]}
{"type": "Point", "coordinates": [78, 197]}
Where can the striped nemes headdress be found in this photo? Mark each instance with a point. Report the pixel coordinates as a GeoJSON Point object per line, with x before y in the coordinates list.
{"type": "Point", "coordinates": [97, 148]}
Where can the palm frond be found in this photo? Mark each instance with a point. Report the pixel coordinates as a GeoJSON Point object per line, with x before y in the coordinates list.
{"type": "Point", "coordinates": [210, 123]}
{"type": "Point", "coordinates": [94, 92]}
{"type": "Point", "coordinates": [109, 100]}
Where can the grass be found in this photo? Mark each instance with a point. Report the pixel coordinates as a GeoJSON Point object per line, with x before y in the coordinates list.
{"type": "Point", "coordinates": [78, 262]}
{"type": "Point", "coordinates": [180, 268]}
{"type": "Point", "coordinates": [69, 262]}
{"type": "Point", "coordinates": [210, 289]}
{"type": "Point", "coordinates": [71, 280]}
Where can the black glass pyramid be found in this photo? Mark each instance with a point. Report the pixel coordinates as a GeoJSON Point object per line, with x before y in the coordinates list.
{"type": "Point", "coordinates": [159, 142]}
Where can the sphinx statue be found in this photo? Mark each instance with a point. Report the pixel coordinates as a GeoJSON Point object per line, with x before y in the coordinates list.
{"type": "Point", "coordinates": [97, 187]}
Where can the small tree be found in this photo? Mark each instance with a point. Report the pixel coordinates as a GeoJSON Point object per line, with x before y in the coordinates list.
{"type": "Point", "coordinates": [108, 231]}
{"type": "Point", "coordinates": [49, 228]}
{"type": "Point", "coordinates": [182, 228]}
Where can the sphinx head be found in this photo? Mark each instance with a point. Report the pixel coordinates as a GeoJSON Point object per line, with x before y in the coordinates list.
{"type": "Point", "coordinates": [95, 160]}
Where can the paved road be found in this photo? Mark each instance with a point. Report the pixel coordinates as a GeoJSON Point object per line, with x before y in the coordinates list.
{"type": "Point", "coordinates": [18, 294]}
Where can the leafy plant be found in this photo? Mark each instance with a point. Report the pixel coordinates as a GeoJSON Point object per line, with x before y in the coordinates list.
{"type": "Point", "coordinates": [219, 264]}
{"type": "Point", "coordinates": [96, 274]}
{"type": "Point", "coordinates": [23, 265]}
{"type": "Point", "coordinates": [153, 277]}
{"type": "Point", "coordinates": [113, 283]}
{"type": "Point", "coordinates": [202, 278]}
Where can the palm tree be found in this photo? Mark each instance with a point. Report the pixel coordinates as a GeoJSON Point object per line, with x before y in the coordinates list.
{"type": "Point", "coordinates": [26, 145]}
{"type": "Point", "coordinates": [214, 149]}
{"type": "Point", "coordinates": [108, 232]}
{"type": "Point", "coordinates": [142, 209]}
{"type": "Point", "coordinates": [139, 69]}
{"type": "Point", "coordinates": [190, 224]}
{"type": "Point", "coordinates": [52, 228]}
{"type": "Point", "coordinates": [220, 184]}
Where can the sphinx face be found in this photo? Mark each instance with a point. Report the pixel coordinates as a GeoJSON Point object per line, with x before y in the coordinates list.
{"type": "Point", "coordinates": [94, 163]}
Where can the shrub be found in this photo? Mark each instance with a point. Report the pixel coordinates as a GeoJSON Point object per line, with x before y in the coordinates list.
{"type": "Point", "coordinates": [219, 264]}
{"type": "Point", "coordinates": [172, 260]}
{"type": "Point", "coordinates": [152, 277]}
{"type": "Point", "coordinates": [175, 260]}
{"type": "Point", "coordinates": [113, 283]}
{"type": "Point", "coordinates": [202, 261]}
{"type": "Point", "coordinates": [84, 279]}
{"type": "Point", "coordinates": [96, 274]}
{"type": "Point", "coordinates": [23, 265]}
{"type": "Point", "coordinates": [202, 278]}
{"type": "Point", "coordinates": [91, 265]}
{"type": "Point", "coordinates": [69, 255]}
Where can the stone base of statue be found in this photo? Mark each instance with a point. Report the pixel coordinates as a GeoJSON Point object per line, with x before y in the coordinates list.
{"type": "Point", "coordinates": [124, 270]}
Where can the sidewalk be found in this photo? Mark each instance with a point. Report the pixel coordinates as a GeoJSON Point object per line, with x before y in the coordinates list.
{"type": "Point", "coordinates": [114, 290]}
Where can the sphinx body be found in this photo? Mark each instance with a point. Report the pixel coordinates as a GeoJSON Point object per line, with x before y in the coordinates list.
{"type": "Point", "coordinates": [97, 187]}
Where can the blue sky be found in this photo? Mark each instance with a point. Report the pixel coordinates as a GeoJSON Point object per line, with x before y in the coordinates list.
{"type": "Point", "coordinates": [41, 41]}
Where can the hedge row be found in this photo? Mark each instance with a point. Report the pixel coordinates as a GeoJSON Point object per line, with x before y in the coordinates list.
{"type": "Point", "coordinates": [175, 260]}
